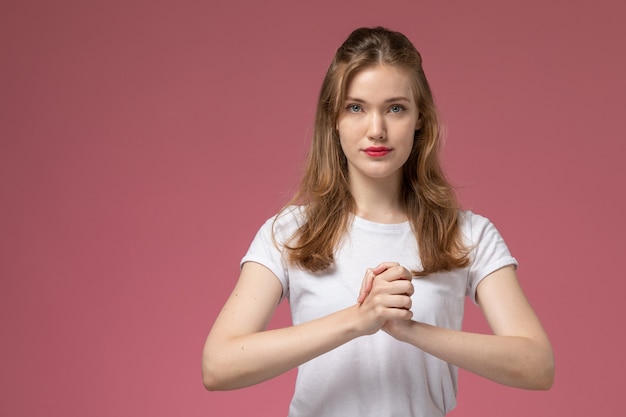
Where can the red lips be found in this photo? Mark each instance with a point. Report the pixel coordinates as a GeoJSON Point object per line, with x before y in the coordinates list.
{"type": "Point", "coordinates": [377, 151]}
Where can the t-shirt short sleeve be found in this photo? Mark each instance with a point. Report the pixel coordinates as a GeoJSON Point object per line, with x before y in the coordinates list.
{"type": "Point", "coordinates": [488, 253]}
{"type": "Point", "coordinates": [267, 246]}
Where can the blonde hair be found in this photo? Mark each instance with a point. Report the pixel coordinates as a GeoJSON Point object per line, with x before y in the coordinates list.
{"type": "Point", "coordinates": [427, 196]}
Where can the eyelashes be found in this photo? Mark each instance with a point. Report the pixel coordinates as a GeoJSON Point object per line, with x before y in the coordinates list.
{"type": "Point", "coordinates": [356, 108]}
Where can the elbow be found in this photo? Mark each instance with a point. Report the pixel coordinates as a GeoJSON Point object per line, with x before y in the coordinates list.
{"type": "Point", "coordinates": [536, 378]}
{"type": "Point", "coordinates": [212, 377]}
{"type": "Point", "coordinates": [541, 377]}
{"type": "Point", "coordinates": [214, 365]}
{"type": "Point", "coordinates": [531, 371]}
{"type": "Point", "coordinates": [208, 380]}
{"type": "Point", "coordinates": [218, 375]}
{"type": "Point", "coordinates": [210, 384]}
{"type": "Point", "coordinates": [220, 370]}
{"type": "Point", "coordinates": [545, 379]}
{"type": "Point", "coordinates": [543, 382]}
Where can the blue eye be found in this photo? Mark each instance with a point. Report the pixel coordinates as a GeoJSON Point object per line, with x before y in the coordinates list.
{"type": "Point", "coordinates": [396, 109]}
{"type": "Point", "coordinates": [354, 108]}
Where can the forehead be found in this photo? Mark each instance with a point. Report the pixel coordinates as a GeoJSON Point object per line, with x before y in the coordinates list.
{"type": "Point", "coordinates": [380, 82]}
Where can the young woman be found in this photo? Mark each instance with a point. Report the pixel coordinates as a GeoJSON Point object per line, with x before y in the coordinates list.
{"type": "Point", "coordinates": [376, 258]}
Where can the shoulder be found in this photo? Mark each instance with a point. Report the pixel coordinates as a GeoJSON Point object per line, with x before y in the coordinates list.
{"type": "Point", "coordinates": [289, 215]}
{"type": "Point", "coordinates": [472, 223]}
{"type": "Point", "coordinates": [471, 218]}
{"type": "Point", "coordinates": [285, 223]}
{"type": "Point", "coordinates": [477, 229]}
{"type": "Point", "coordinates": [488, 250]}
{"type": "Point", "coordinates": [484, 240]}
{"type": "Point", "coordinates": [268, 244]}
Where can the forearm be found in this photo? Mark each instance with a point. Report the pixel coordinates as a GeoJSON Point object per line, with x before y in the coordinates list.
{"type": "Point", "coordinates": [521, 362]}
{"type": "Point", "coordinates": [240, 361]}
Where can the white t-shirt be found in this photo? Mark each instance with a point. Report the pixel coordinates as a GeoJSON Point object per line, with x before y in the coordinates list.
{"type": "Point", "coordinates": [377, 375]}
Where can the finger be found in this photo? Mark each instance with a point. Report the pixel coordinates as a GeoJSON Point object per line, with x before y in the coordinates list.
{"type": "Point", "coordinates": [401, 301]}
{"type": "Point", "coordinates": [384, 266]}
{"type": "Point", "coordinates": [366, 285]}
{"type": "Point", "coordinates": [411, 290]}
{"type": "Point", "coordinates": [396, 272]}
{"type": "Point", "coordinates": [401, 287]}
{"type": "Point", "coordinates": [368, 280]}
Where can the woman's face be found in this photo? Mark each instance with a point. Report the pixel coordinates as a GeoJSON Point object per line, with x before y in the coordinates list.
{"type": "Point", "coordinates": [377, 123]}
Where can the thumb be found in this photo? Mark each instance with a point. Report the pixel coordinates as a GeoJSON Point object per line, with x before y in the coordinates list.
{"type": "Point", "coordinates": [366, 285]}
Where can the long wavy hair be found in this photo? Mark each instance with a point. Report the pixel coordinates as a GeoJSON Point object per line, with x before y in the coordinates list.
{"type": "Point", "coordinates": [428, 198]}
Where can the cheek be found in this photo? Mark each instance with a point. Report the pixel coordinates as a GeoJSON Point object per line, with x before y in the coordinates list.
{"type": "Point", "coordinates": [408, 142]}
{"type": "Point", "coordinates": [346, 135]}
{"type": "Point", "coordinates": [342, 142]}
{"type": "Point", "coordinates": [405, 133]}
{"type": "Point", "coordinates": [345, 148]}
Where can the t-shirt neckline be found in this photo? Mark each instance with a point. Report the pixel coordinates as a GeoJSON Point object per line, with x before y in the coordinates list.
{"type": "Point", "coordinates": [362, 223]}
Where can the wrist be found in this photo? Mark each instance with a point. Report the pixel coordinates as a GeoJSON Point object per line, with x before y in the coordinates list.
{"type": "Point", "coordinates": [357, 324]}
{"type": "Point", "coordinates": [403, 330]}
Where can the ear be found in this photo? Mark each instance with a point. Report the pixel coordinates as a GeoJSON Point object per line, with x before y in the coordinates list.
{"type": "Point", "coordinates": [419, 123]}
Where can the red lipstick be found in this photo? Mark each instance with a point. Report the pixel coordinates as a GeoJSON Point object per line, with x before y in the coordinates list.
{"type": "Point", "coordinates": [377, 151]}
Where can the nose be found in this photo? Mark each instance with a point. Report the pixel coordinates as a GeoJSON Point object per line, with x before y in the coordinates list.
{"type": "Point", "coordinates": [376, 127]}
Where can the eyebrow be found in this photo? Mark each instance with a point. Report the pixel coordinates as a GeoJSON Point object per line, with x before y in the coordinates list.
{"type": "Point", "coordinates": [389, 100]}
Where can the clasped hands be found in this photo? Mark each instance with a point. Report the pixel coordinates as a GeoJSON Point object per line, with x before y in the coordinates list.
{"type": "Point", "coordinates": [385, 298]}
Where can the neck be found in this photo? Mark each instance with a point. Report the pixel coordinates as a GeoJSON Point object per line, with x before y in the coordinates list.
{"type": "Point", "coordinates": [378, 200]}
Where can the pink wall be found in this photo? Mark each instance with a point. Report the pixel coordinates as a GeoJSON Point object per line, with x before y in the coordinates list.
{"type": "Point", "coordinates": [143, 143]}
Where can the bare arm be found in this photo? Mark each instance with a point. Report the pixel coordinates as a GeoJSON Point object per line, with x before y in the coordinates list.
{"type": "Point", "coordinates": [518, 354]}
{"type": "Point", "coordinates": [239, 351]}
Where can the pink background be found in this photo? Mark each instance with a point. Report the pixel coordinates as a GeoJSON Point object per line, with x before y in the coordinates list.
{"type": "Point", "coordinates": [143, 144]}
